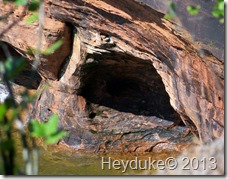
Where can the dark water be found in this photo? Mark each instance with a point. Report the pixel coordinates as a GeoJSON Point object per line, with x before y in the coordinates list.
{"type": "Point", "coordinates": [56, 161]}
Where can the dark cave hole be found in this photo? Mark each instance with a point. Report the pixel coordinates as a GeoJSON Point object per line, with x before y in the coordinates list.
{"type": "Point", "coordinates": [127, 84]}
{"type": "Point", "coordinates": [25, 77]}
{"type": "Point", "coordinates": [92, 115]}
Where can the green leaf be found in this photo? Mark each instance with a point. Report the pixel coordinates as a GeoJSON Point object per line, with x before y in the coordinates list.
{"type": "Point", "coordinates": [221, 20]}
{"type": "Point", "coordinates": [49, 130]}
{"type": "Point", "coordinates": [32, 18]}
{"type": "Point", "coordinates": [168, 16]}
{"type": "Point", "coordinates": [3, 110]}
{"type": "Point", "coordinates": [51, 126]}
{"type": "Point", "coordinates": [21, 2]}
{"type": "Point", "coordinates": [172, 7]}
{"type": "Point", "coordinates": [53, 47]}
{"type": "Point", "coordinates": [171, 11]}
{"type": "Point", "coordinates": [55, 138]}
{"type": "Point", "coordinates": [193, 10]}
{"type": "Point", "coordinates": [218, 10]}
{"type": "Point", "coordinates": [14, 66]}
{"type": "Point", "coordinates": [218, 1]}
{"type": "Point", "coordinates": [37, 129]}
{"type": "Point", "coordinates": [9, 103]}
{"type": "Point", "coordinates": [31, 51]}
{"type": "Point", "coordinates": [45, 129]}
{"type": "Point", "coordinates": [34, 5]}
{"type": "Point", "coordinates": [221, 6]}
{"type": "Point", "coordinates": [216, 13]}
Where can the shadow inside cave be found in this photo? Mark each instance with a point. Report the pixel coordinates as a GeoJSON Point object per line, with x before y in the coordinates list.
{"type": "Point", "coordinates": [127, 84]}
{"type": "Point", "coordinates": [26, 77]}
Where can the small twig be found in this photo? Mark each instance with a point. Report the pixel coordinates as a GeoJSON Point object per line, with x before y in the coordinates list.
{"type": "Point", "coordinates": [35, 154]}
{"type": "Point", "coordinates": [18, 120]}
{"type": "Point", "coordinates": [40, 32]}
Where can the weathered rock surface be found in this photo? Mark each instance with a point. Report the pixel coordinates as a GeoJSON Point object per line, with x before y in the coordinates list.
{"type": "Point", "coordinates": [122, 77]}
{"type": "Point", "coordinates": [203, 160]}
{"type": "Point", "coordinates": [25, 38]}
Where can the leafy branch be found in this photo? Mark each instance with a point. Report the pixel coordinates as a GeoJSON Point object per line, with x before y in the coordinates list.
{"type": "Point", "coordinates": [49, 130]}
{"type": "Point", "coordinates": [10, 110]}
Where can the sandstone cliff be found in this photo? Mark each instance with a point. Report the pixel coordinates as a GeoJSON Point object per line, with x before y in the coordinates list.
{"type": "Point", "coordinates": [123, 76]}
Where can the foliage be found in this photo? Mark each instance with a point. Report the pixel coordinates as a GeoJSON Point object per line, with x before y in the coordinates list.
{"type": "Point", "coordinates": [53, 47]}
{"type": "Point", "coordinates": [13, 66]}
{"type": "Point", "coordinates": [193, 10]}
{"type": "Point", "coordinates": [50, 50]}
{"type": "Point", "coordinates": [21, 2]}
{"type": "Point", "coordinates": [10, 111]}
{"type": "Point", "coordinates": [48, 131]}
{"type": "Point", "coordinates": [34, 5]}
{"type": "Point", "coordinates": [32, 18]}
{"type": "Point", "coordinates": [218, 10]}
{"type": "Point", "coordinates": [10, 115]}
{"type": "Point", "coordinates": [171, 11]}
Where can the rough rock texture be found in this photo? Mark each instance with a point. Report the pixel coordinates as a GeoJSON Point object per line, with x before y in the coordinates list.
{"type": "Point", "coordinates": [203, 160]}
{"type": "Point", "coordinates": [123, 77]}
{"type": "Point", "coordinates": [24, 37]}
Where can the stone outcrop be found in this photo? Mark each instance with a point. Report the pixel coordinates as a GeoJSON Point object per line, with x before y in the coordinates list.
{"type": "Point", "coordinates": [200, 160]}
{"type": "Point", "coordinates": [123, 78]}
{"type": "Point", "coordinates": [25, 38]}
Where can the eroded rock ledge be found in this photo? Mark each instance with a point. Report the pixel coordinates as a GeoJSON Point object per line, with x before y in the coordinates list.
{"type": "Point", "coordinates": [124, 77]}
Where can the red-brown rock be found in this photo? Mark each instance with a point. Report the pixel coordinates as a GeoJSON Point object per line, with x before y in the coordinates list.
{"type": "Point", "coordinates": [126, 65]}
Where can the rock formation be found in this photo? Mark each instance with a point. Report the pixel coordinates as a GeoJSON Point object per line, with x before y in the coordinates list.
{"type": "Point", "coordinates": [123, 78]}
{"type": "Point", "coordinates": [200, 160]}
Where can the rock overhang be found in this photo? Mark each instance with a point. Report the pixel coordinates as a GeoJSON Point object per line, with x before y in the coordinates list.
{"type": "Point", "coordinates": [193, 82]}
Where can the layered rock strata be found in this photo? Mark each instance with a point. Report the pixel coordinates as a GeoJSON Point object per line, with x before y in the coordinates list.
{"type": "Point", "coordinates": [124, 77]}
